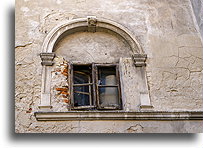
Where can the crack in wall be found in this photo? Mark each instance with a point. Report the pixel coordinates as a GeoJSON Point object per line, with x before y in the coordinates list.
{"type": "Point", "coordinates": [24, 45]}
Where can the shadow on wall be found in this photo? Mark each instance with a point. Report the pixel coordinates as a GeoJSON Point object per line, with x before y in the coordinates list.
{"type": "Point", "coordinates": [66, 137]}
{"type": "Point", "coordinates": [198, 8]}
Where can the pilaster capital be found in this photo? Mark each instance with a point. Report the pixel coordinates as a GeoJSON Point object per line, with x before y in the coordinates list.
{"type": "Point", "coordinates": [139, 59]}
{"type": "Point", "coordinates": [47, 58]}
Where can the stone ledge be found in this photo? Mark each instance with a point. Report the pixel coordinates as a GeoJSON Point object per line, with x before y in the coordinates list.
{"type": "Point", "coordinates": [117, 115]}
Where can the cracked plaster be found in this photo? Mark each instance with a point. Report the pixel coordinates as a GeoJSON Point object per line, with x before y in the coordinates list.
{"type": "Point", "coordinates": [165, 29]}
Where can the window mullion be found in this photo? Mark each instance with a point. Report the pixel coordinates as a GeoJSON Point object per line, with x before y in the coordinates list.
{"type": "Point", "coordinates": [118, 83]}
{"type": "Point", "coordinates": [94, 101]}
{"type": "Point", "coordinates": [96, 87]}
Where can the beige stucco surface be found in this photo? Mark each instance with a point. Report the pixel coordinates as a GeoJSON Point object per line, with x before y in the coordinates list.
{"type": "Point", "coordinates": [111, 127]}
{"type": "Point", "coordinates": [167, 32]}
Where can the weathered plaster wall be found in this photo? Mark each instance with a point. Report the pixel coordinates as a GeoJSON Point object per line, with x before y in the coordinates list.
{"type": "Point", "coordinates": [111, 127]}
{"type": "Point", "coordinates": [164, 28]}
{"type": "Point", "coordinates": [96, 47]}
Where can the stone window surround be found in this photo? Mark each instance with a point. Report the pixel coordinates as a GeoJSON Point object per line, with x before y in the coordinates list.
{"type": "Point", "coordinates": [90, 24]}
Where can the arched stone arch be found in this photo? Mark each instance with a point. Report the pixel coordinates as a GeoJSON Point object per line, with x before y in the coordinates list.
{"type": "Point", "coordinates": [90, 24]}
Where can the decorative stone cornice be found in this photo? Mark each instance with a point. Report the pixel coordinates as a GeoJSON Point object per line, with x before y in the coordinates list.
{"type": "Point", "coordinates": [140, 59]}
{"type": "Point", "coordinates": [92, 21]}
{"type": "Point", "coordinates": [118, 115]}
{"type": "Point", "coordinates": [47, 58]}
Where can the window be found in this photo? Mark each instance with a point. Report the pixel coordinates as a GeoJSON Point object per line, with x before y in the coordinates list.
{"type": "Point", "coordinates": [95, 86]}
{"type": "Point", "coordinates": [82, 86]}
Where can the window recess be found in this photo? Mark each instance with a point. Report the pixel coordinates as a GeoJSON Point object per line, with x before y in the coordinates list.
{"type": "Point", "coordinates": [95, 86]}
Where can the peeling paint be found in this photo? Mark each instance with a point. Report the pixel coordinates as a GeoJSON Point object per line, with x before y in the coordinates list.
{"type": "Point", "coordinates": [135, 129]}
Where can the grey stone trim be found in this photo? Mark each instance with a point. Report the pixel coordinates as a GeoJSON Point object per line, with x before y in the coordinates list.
{"type": "Point", "coordinates": [140, 59]}
{"type": "Point", "coordinates": [118, 115]}
{"type": "Point", "coordinates": [45, 102]}
{"type": "Point", "coordinates": [91, 21]}
{"type": "Point", "coordinates": [140, 63]}
{"type": "Point", "coordinates": [47, 58]}
{"type": "Point", "coordinates": [47, 62]}
{"type": "Point", "coordinates": [145, 102]}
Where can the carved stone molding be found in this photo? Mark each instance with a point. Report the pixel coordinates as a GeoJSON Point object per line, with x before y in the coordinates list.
{"type": "Point", "coordinates": [92, 22]}
{"type": "Point", "coordinates": [47, 59]}
{"type": "Point", "coordinates": [86, 24]}
{"type": "Point", "coordinates": [119, 115]}
{"type": "Point", "coordinates": [140, 59]}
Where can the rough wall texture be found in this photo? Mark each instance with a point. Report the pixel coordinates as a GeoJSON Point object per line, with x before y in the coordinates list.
{"type": "Point", "coordinates": [164, 28]}
{"type": "Point", "coordinates": [111, 127]}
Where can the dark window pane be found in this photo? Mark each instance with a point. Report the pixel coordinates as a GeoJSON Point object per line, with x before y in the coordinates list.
{"type": "Point", "coordinates": [108, 96]}
{"type": "Point", "coordinates": [81, 99]}
{"type": "Point", "coordinates": [82, 95]}
{"type": "Point", "coordinates": [80, 78]}
{"type": "Point", "coordinates": [81, 74]}
{"type": "Point", "coordinates": [107, 76]}
{"type": "Point", "coordinates": [82, 88]}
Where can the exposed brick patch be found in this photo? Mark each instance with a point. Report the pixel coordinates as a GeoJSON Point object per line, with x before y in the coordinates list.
{"type": "Point", "coordinates": [60, 84]}
{"type": "Point", "coordinates": [62, 89]}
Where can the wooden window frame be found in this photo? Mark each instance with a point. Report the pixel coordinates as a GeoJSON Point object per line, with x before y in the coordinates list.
{"type": "Point", "coordinates": [92, 104]}
{"type": "Point", "coordinates": [95, 92]}
{"type": "Point", "coordinates": [117, 85]}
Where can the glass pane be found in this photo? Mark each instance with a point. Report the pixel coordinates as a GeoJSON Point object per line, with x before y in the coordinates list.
{"type": "Point", "coordinates": [81, 99]}
{"type": "Point", "coordinates": [82, 88]}
{"type": "Point", "coordinates": [81, 74]}
{"type": "Point", "coordinates": [107, 76]}
{"type": "Point", "coordinates": [80, 78]}
{"type": "Point", "coordinates": [108, 96]}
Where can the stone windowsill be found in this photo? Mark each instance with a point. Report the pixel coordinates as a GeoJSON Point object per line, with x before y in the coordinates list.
{"type": "Point", "coordinates": [118, 115]}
